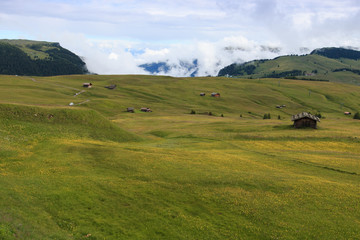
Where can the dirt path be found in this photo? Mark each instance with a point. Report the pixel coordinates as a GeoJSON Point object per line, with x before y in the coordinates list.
{"type": "Point", "coordinates": [78, 93]}
{"type": "Point", "coordinates": [54, 84]}
{"type": "Point", "coordinates": [63, 86]}
{"type": "Point", "coordinates": [88, 100]}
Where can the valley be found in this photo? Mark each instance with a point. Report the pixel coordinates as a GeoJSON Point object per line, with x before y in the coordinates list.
{"type": "Point", "coordinates": [96, 171]}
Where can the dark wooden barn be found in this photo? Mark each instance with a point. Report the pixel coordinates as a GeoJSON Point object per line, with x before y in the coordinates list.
{"type": "Point", "coordinates": [111, 87]}
{"type": "Point", "coordinates": [130, 109]}
{"type": "Point", "coordinates": [305, 119]}
{"type": "Point", "coordinates": [145, 109]}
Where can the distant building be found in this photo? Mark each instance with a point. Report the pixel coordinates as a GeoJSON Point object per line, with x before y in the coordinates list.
{"type": "Point", "coordinates": [144, 109]}
{"type": "Point", "coordinates": [111, 87]}
{"type": "Point", "coordinates": [214, 94]}
{"type": "Point", "coordinates": [130, 109]}
{"type": "Point", "coordinates": [87, 85]}
{"type": "Point", "coordinates": [305, 119]}
{"type": "Point", "coordinates": [202, 94]}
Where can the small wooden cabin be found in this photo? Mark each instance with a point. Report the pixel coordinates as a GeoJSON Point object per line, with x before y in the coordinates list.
{"type": "Point", "coordinates": [111, 87]}
{"type": "Point", "coordinates": [305, 119]}
{"type": "Point", "coordinates": [214, 94]}
{"type": "Point", "coordinates": [144, 109]}
{"type": "Point", "coordinates": [87, 85]}
{"type": "Point", "coordinates": [130, 109]}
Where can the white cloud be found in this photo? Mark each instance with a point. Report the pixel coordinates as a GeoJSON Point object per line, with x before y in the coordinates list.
{"type": "Point", "coordinates": [113, 56]}
{"type": "Point", "coordinates": [115, 36]}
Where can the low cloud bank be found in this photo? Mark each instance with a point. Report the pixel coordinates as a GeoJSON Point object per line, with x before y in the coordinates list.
{"type": "Point", "coordinates": [200, 58]}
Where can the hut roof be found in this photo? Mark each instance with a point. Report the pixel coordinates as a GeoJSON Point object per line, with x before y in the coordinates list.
{"type": "Point", "coordinates": [304, 115]}
{"type": "Point", "coordinates": [111, 86]}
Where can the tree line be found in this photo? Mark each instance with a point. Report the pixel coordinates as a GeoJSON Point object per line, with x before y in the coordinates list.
{"type": "Point", "coordinates": [13, 61]}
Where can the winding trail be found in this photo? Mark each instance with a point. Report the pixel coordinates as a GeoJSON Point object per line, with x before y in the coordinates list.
{"type": "Point", "coordinates": [63, 86]}
{"type": "Point", "coordinates": [78, 93]}
{"type": "Point", "coordinates": [88, 100]}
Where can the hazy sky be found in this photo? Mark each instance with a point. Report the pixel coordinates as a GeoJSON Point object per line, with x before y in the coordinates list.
{"type": "Point", "coordinates": [115, 36]}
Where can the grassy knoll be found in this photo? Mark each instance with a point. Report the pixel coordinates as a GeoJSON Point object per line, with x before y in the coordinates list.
{"type": "Point", "coordinates": [317, 67]}
{"type": "Point", "coordinates": [94, 171]}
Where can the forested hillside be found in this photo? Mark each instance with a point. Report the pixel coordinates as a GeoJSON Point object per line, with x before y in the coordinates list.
{"type": "Point", "coordinates": [23, 57]}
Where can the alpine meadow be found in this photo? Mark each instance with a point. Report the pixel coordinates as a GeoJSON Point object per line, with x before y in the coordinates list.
{"type": "Point", "coordinates": [75, 164]}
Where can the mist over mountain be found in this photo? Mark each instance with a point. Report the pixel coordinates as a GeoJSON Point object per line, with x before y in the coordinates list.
{"type": "Point", "coordinates": [187, 68]}
{"type": "Point", "coordinates": [205, 59]}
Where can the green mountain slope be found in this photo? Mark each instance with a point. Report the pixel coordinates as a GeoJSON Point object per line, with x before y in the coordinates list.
{"type": "Point", "coordinates": [326, 64]}
{"type": "Point", "coordinates": [94, 171]}
{"type": "Point", "coordinates": [35, 58]}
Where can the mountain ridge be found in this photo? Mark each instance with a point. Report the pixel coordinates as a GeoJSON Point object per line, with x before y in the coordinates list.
{"type": "Point", "coordinates": [322, 64]}
{"type": "Point", "coordinates": [38, 58]}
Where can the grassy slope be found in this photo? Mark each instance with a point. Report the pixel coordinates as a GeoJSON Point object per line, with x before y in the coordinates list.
{"type": "Point", "coordinates": [191, 176]}
{"type": "Point", "coordinates": [24, 46]}
{"type": "Point", "coordinates": [308, 63]}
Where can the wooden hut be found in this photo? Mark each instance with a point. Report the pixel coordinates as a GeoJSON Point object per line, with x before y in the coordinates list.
{"type": "Point", "coordinates": [215, 94]}
{"type": "Point", "coordinates": [144, 109]}
{"type": "Point", "coordinates": [111, 87]}
{"type": "Point", "coordinates": [87, 85]}
{"type": "Point", "coordinates": [130, 109]}
{"type": "Point", "coordinates": [305, 119]}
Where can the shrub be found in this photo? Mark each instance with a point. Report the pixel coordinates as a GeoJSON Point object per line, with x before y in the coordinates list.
{"type": "Point", "coordinates": [267, 116]}
{"type": "Point", "coordinates": [357, 115]}
{"type": "Point", "coordinates": [318, 115]}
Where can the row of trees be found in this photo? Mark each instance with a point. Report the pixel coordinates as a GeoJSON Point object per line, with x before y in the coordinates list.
{"type": "Point", "coordinates": [337, 53]}
{"type": "Point", "coordinates": [357, 115]}
{"type": "Point", "coordinates": [268, 116]}
{"type": "Point", "coordinates": [238, 69]}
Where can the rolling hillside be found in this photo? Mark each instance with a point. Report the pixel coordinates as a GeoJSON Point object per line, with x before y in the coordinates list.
{"type": "Point", "coordinates": [36, 58]}
{"type": "Point", "coordinates": [326, 64]}
{"type": "Point", "coordinates": [94, 171]}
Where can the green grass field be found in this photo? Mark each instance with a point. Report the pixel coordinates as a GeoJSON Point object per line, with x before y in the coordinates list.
{"type": "Point", "coordinates": [95, 171]}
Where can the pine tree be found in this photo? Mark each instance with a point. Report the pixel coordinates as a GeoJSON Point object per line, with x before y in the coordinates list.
{"type": "Point", "coordinates": [357, 115]}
